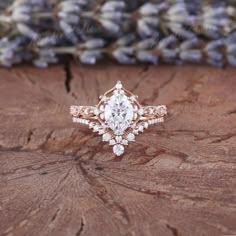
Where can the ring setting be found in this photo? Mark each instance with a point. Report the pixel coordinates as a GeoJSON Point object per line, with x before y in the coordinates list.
{"type": "Point", "coordinates": [118, 117]}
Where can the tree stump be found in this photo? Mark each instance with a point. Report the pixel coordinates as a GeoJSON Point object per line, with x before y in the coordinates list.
{"type": "Point", "coordinates": [59, 178]}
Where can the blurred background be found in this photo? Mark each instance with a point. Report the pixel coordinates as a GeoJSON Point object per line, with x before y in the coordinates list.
{"type": "Point", "coordinates": [45, 32]}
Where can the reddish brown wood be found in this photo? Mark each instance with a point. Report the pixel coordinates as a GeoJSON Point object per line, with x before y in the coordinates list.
{"type": "Point", "coordinates": [58, 178]}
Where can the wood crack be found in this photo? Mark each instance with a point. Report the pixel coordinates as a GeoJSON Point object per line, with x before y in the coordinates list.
{"type": "Point", "coordinates": [173, 230]}
{"type": "Point", "coordinates": [81, 229]}
{"type": "Point", "coordinates": [55, 216]}
{"type": "Point", "coordinates": [232, 112]}
{"type": "Point", "coordinates": [30, 134]}
{"type": "Point", "coordinates": [221, 138]}
{"type": "Point", "coordinates": [68, 75]}
{"type": "Point", "coordinates": [155, 93]}
{"type": "Point", "coordinates": [48, 137]}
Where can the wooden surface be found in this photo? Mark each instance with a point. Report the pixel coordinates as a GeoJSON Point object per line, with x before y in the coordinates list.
{"type": "Point", "coordinates": [58, 178]}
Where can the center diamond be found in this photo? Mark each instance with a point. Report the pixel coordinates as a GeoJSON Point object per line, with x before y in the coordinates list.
{"type": "Point", "coordinates": [119, 113]}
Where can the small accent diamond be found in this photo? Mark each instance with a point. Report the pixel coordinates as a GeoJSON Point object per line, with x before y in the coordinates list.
{"type": "Point", "coordinates": [140, 128]}
{"type": "Point", "coordinates": [101, 131]}
{"type": "Point", "coordinates": [96, 128]}
{"type": "Point", "coordinates": [96, 111]}
{"type": "Point", "coordinates": [135, 131]}
{"type": "Point", "coordinates": [118, 139]}
{"type": "Point", "coordinates": [118, 149]}
{"type": "Point", "coordinates": [145, 124]}
{"type": "Point", "coordinates": [91, 125]}
{"type": "Point", "coordinates": [118, 85]}
{"type": "Point", "coordinates": [112, 142]}
{"type": "Point", "coordinates": [124, 142]}
{"type": "Point", "coordinates": [106, 137]}
{"type": "Point", "coordinates": [130, 137]}
{"type": "Point", "coordinates": [141, 111]}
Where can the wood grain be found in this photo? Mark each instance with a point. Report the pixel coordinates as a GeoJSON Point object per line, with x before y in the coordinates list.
{"type": "Point", "coordinates": [58, 178]}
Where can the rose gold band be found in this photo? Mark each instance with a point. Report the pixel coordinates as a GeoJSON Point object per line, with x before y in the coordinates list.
{"type": "Point", "coordinates": [91, 112]}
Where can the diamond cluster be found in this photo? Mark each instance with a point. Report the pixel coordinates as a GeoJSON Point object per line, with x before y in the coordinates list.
{"type": "Point", "coordinates": [118, 117]}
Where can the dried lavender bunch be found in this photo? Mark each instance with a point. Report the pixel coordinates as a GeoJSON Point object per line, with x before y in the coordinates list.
{"type": "Point", "coordinates": [11, 51]}
{"type": "Point", "coordinates": [174, 31]}
{"type": "Point", "coordinates": [115, 18]}
{"type": "Point", "coordinates": [127, 50]}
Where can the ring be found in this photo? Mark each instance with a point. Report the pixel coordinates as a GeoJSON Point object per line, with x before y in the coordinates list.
{"type": "Point", "coordinates": [118, 117]}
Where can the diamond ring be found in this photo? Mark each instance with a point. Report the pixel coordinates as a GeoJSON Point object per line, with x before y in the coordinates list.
{"type": "Point", "coordinates": [118, 117]}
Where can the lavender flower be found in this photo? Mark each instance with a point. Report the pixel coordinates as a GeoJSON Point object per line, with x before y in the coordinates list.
{"type": "Point", "coordinates": [9, 52]}
{"type": "Point", "coordinates": [69, 17]}
{"type": "Point", "coordinates": [217, 20]}
{"type": "Point", "coordinates": [21, 14]}
{"type": "Point", "coordinates": [231, 49]}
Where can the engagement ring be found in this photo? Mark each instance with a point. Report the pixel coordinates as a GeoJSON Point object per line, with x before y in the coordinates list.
{"type": "Point", "coordinates": [118, 117]}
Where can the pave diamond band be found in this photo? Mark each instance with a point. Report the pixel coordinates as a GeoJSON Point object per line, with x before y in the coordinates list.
{"type": "Point", "coordinates": [118, 117]}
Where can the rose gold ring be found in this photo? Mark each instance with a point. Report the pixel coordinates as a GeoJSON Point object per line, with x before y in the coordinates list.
{"type": "Point", "coordinates": [118, 117]}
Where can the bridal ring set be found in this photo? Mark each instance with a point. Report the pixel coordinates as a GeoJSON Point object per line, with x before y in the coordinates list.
{"type": "Point", "coordinates": [118, 117]}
